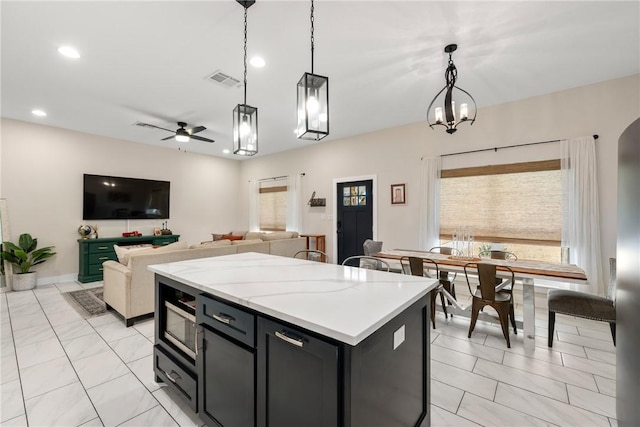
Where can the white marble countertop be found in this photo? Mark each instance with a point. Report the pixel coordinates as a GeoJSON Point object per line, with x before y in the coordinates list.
{"type": "Point", "coordinates": [344, 303]}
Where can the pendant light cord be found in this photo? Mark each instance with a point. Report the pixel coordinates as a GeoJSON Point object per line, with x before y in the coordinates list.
{"type": "Point", "coordinates": [245, 55]}
{"type": "Point", "coordinates": [312, 39]}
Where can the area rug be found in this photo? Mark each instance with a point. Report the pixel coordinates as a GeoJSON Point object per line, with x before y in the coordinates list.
{"type": "Point", "coordinates": [87, 302]}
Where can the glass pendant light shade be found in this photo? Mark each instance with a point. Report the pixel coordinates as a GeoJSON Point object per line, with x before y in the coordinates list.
{"type": "Point", "coordinates": [245, 130]}
{"type": "Point", "coordinates": [313, 107]}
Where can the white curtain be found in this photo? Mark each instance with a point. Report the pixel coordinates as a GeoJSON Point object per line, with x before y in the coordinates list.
{"type": "Point", "coordinates": [254, 205]}
{"type": "Point", "coordinates": [580, 209]}
{"type": "Point", "coordinates": [294, 208]}
{"type": "Point", "coordinates": [429, 228]}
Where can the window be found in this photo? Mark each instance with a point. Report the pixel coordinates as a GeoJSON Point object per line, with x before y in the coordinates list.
{"type": "Point", "coordinates": [518, 205]}
{"type": "Point", "coordinates": [273, 205]}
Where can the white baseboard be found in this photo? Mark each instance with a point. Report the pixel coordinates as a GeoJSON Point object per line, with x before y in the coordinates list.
{"type": "Point", "coordinates": [52, 280]}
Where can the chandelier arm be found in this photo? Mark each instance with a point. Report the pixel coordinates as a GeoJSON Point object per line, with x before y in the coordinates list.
{"type": "Point", "coordinates": [448, 111]}
{"type": "Point", "coordinates": [431, 104]}
{"type": "Point", "coordinates": [475, 107]}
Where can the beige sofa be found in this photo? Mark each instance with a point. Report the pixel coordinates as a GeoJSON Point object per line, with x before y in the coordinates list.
{"type": "Point", "coordinates": [129, 286]}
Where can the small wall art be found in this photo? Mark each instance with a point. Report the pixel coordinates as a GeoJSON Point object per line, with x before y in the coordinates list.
{"type": "Point", "coordinates": [398, 194]}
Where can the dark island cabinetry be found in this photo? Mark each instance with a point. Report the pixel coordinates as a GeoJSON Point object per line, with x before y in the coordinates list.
{"type": "Point", "coordinates": [239, 364]}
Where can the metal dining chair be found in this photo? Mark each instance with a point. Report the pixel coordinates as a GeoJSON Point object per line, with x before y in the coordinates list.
{"type": "Point", "coordinates": [426, 267]}
{"type": "Point", "coordinates": [485, 294]}
{"type": "Point", "coordinates": [368, 262]}
{"type": "Point", "coordinates": [446, 278]}
{"type": "Point", "coordinates": [499, 254]}
{"type": "Point", "coordinates": [311, 255]}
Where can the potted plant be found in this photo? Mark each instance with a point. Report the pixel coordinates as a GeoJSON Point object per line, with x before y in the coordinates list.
{"type": "Point", "coordinates": [24, 256]}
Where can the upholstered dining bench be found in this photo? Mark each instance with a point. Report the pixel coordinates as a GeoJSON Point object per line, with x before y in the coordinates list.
{"type": "Point", "coordinates": [581, 304]}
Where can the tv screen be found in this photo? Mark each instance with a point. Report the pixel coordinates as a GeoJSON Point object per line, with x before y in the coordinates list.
{"type": "Point", "coordinates": [110, 197]}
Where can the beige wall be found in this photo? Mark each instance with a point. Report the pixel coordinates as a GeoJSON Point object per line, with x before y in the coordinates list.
{"type": "Point", "coordinates": [41, 170]}
{"type": "Point", "coordinates": [394, 155]}
{"type": "Point", "coordinates": [41, 175]}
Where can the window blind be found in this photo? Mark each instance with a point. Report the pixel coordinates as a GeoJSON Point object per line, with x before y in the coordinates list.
{"type": "Point", "coordinates": [517, 203]}
{"type": "Point", "coordinates": [273, 206]}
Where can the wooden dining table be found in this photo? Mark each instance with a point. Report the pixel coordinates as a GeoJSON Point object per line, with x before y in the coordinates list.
{"type": "Point", "coordinates": [524, 270]}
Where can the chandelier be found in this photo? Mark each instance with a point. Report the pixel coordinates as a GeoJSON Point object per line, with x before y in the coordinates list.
{"type": "Point", "coordinates": [445, 113]}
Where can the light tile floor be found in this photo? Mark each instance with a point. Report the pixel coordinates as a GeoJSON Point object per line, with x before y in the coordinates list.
{"type": "Point", "coordinates": [58, 369]}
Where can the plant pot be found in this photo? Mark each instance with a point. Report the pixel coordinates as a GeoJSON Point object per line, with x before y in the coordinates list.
{"type": "Point", "coordinates": [24, 281]}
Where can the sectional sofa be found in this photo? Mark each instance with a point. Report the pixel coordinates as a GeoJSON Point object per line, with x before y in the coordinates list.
{"type": "Point", "coordinates": [129, 285]}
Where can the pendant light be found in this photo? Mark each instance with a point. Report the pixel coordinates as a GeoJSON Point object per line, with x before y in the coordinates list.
{"type": "Point", "coordinates": [313, 100]}
{"type": "Point", "coordinates": [245, 117]}
{"type": "Point", "coordinates": [466, 102]}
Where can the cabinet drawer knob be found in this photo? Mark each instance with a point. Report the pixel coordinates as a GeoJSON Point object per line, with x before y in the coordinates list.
{"type": "Point", "coordinates": [102, 248]}
{"type": "Point", "coordinates": [295, 341]}
{"type": "Point", "coordinates": [223, 318]}
{"type": "Point", "coordinates": [103, 257]}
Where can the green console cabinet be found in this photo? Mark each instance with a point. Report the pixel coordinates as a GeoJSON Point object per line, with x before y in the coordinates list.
{"type": "Point", "coordinates": [93, 252]}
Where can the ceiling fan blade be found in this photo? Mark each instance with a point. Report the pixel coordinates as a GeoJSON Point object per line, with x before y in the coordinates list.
{"type": "Point", "coordinates": [169, 137]}
{"type": "Point", "coordinates": [148, 125]}
{"type": "Point", "coordinates": [200, 138]}
{"type": "Point", "coordinates": [195, 130]}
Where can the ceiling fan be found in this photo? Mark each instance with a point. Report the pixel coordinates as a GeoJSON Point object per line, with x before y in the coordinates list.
{"type": "Point", "coordinates": [181, 134]}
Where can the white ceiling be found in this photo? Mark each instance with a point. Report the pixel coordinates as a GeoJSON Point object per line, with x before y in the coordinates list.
{"type": "Point", "coordinates": [148, 61]}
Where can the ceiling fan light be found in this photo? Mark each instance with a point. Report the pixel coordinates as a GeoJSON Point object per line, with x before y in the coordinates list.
{"type": "Point", "coordinates": [182, 138]}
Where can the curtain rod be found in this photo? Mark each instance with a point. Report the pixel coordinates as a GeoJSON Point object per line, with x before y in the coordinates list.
{"type": "Point", "coordinates": [277, 177]}
{"type": "Point", "coordinates": [508, 146]}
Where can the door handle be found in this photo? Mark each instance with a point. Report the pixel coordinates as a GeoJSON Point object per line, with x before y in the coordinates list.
{"type": "Point", "coordinates": [173, 378]}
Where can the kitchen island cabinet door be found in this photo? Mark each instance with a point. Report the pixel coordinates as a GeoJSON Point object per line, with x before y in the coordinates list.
{"type": "Point", "coordinates": [297, 381]}
{"type": "Point", "coordinates": [226, 377]}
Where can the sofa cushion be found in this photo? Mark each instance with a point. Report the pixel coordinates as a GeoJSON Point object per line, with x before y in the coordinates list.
{"type": "Point", "coordinates": [231, 237]}
{"type": "Point", "coordinates": [252, 235]}
{"type": "Point", "coordinates": [210, 244]}
{"type": "Point", "coordinates": [276, 235]}
{"type": "Point", "coordinates": [124, 252]}
{"type": "Point", "coordinates": [245, 241]}
{"type": "Point", "coordinates": [166, 248]}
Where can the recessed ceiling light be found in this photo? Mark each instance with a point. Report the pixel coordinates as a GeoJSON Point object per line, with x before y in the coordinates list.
{"type": "Point", "coordinates": [257, 62]}
{"type": "Point", "coordinates": [39, 113]}
{"type": "Point", "coordinates": [69, 52]}
{"type": "Point", "coordinates": [226, 151]}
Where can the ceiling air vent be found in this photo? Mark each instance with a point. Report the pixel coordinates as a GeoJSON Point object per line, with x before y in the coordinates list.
{"type": "Point", "coordinates": [223, 79]}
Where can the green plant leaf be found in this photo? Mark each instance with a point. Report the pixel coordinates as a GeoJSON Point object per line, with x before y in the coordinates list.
{"type": "Point", "coordinates": [27, 243]}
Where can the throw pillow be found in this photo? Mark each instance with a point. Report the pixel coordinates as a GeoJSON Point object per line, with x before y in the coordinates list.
{"type": "Point", "coordinates": [231, 237]}
{"type": "Point", "coordinates": [216, 237]}
{"type": "Point", "coordinates": [239, 233]}
{"type": "Point", "coordinates": [124, 252]}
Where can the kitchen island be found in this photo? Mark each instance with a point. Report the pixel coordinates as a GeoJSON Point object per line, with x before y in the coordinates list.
{"type": "Point", "coordinates": [261, 340]}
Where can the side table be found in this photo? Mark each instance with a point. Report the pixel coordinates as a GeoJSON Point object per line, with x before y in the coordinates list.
{"type": "Point", "coordinates": [320, 242]}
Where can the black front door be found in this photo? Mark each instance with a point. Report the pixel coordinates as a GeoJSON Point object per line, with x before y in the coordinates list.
{"type": "Point", "coordinates": [354, 218]}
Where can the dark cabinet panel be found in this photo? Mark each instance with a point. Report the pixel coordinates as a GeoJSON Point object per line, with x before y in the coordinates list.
{"type": "Point", "coordinates": [226, 378]}
{"type": "Point", "coordinates": [176, 374]}
{"type": "Point", "coordinates": [297, 378]}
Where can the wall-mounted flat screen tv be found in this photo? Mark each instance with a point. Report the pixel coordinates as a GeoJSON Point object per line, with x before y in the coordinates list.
{"type": "Point", "coordinates": [111, 197]}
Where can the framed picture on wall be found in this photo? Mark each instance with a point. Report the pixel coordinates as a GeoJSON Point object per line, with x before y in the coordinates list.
{"type": "Point", "coordinates": [398, 194]}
